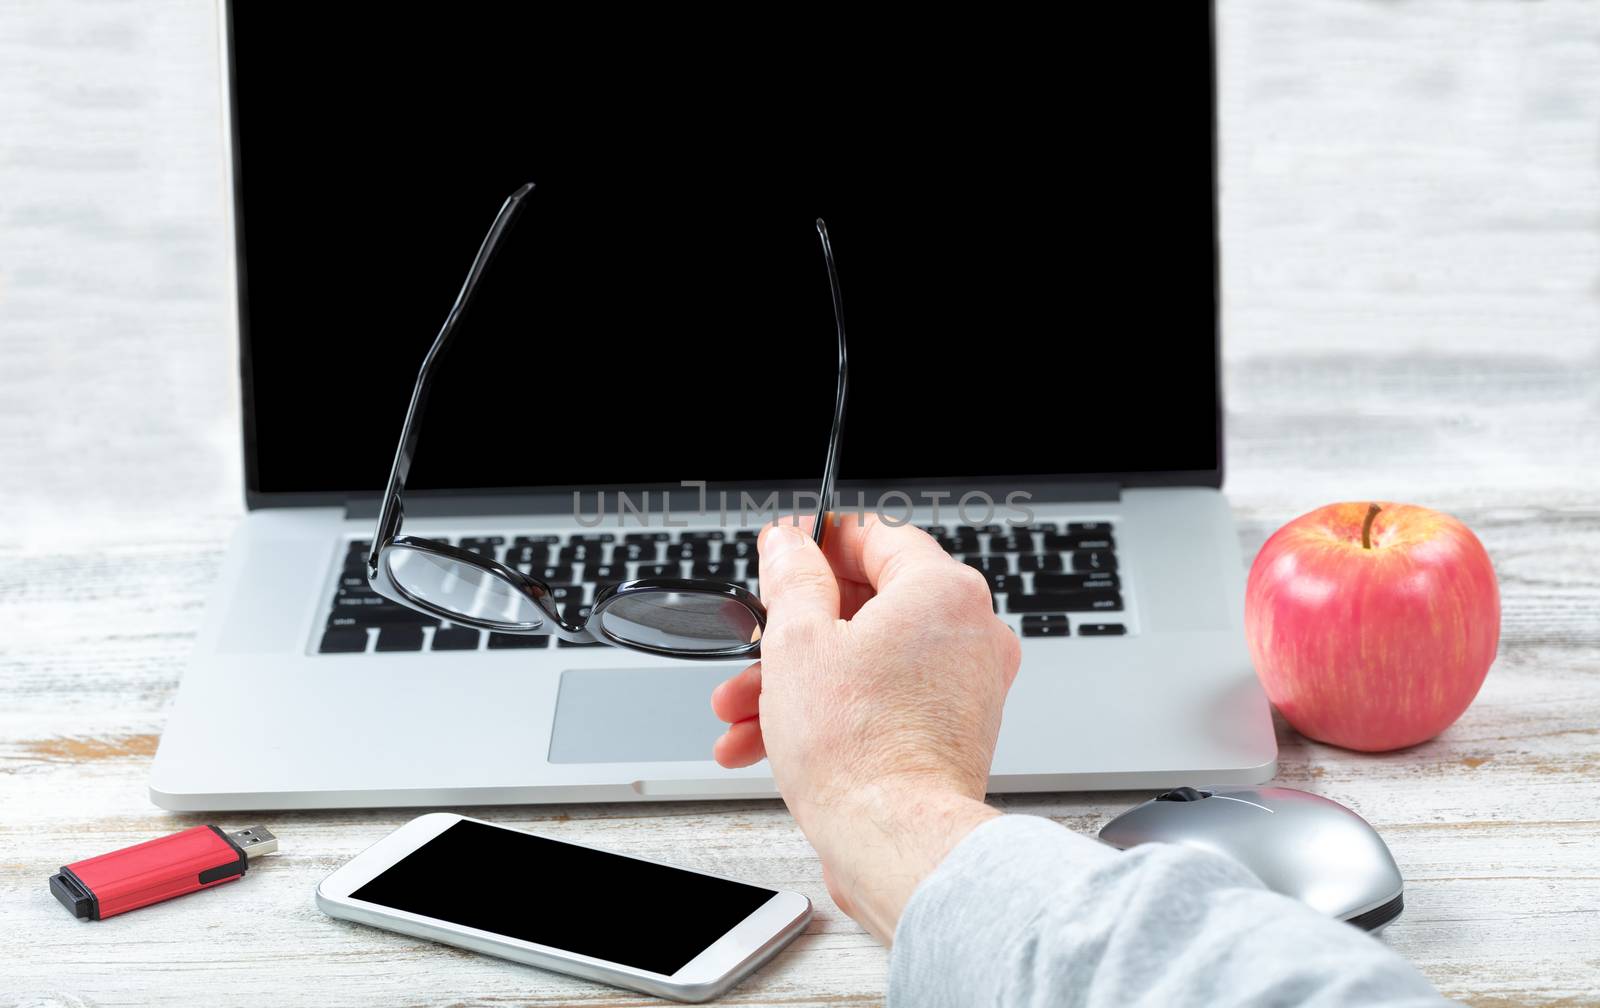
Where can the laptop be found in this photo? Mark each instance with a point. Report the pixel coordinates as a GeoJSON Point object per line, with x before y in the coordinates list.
{"type": "Point", "coordinates": [1025, 231]}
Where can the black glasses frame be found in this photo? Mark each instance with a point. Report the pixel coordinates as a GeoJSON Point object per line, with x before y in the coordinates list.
{"type": "Point", "coordinates": [391, 515]}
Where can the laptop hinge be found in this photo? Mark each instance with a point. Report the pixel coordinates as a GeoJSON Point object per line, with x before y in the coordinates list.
{"type": "Point", "coordinates": [852, 495]}
{"type": "Point", "coordinates": [451, 505]}
{"type": "Point", "coordinates": [1068, 491]}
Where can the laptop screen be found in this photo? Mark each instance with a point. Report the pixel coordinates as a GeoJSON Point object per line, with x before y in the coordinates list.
{"type": "Point", "coordinates": [1022, 215]}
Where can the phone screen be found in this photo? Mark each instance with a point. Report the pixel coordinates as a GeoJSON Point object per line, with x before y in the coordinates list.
{"type": "Point", "coordinates": [568, 897]}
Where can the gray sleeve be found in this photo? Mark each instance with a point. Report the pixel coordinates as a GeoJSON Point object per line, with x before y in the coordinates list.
{"type": "Point", "coordinates": [1025, 912]}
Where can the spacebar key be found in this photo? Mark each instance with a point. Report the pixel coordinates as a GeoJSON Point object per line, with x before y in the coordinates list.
{"type": "Point", "coordinates": [1078, 601]}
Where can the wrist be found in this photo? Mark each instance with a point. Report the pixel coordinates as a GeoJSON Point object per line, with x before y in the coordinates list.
{"type": "Point", "coordinates": [879, 842]}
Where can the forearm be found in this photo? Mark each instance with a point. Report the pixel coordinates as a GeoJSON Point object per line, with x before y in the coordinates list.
{"type": "Point", "coordinates": [879, 843]}
{"type": "Point", "coordinates": [1024, 912]}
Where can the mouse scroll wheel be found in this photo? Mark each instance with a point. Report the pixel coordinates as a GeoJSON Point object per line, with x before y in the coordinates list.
{"type": "Point", "coordinates": [1183, 794]}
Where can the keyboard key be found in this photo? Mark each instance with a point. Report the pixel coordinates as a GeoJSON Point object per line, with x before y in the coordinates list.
{"type": "Point", "coordinates": [713, 570]}
{"type": "Point", "coordinates": [937, 531]}
{"type": "Point", "coordinates": [1080, 601]}
{"type": "Point", "coordinates": [397, 616]}
{"type": "Point", "coordinates": [536, 540]}
{"type": "Point", "coordinates": [343, 641]}
{"type": "Point", "coordinates": [487, 545]}
{"type": "Point", "coordinates": [1075, 541]}
{"type": "Point", "coordinates": [358, 546]}
{"type": "Point", "coordinates": [1039, 562]}
{"type": "Point", "coordinates": [659, 570]}
{"type": "Point", "coordinates": [359, 598]}
{"type": "Point", "coordinates": [604, 573]}
{"type": "Point", "coordinates": [592, 538]}
{"type": "Point", "coordinates": [750, 567]}
{"type": "Point", "coordinates": [400, 638]}
{"type": "Point", "coordinates": [1089, 528]}
{"type": "Point", "coordinates": [564, 593]}
{"type": "Point", "coordinates": [958, 544]}
{"type": "Point", "coordinates": [1094, 560]}
{"type": "Point", "coordinates": [1101, 629]}
{"type": "Point", "coordinates": [1040, 619]}
{"type": "Point", "coordinates": [552, 575]}
{"type": "Point", "coordinates": [579, 553]}
{"type": "Point", "coordinates": [354, 582]}
{"type": "Point", "coordinates": [714, 535]}
{"type": "Point", "coordinates": [991, 564]}
{"type": "Point", "coordinates": [1042, 527]}
{"type": "Point", "coordinates": [1022, 543]}
{"type": "Point", "coordinates": [527, 555]}
{"type": "Point", "coordinates": [747, 535]}
{"type": "Point", "coordinates": [1047, 581]}
{"type": "Point", "coordinates": [1046, 630]}
{"type": "Point", "coordinates": [355, 599]}
{"type": "Point", "coordinates": [576, 612]}
{"type": "Point", "coordinates": [642, 538]}
{"type": "Point", "coordinates": [975, 529]}
{"type": "Point", "coordinates": [633, 552]}
{"type": "Point", "coordinates": [1096, 601]}
{"type": "Point", "coordinates": [507, 641]}
{"type": "Point", "coordinates": [1004, 583]}
{"type": "Point", "coordinates": [691, 549]}
{"type": "Point", "coordinates": [380, 613]}
{"type": "Point", "coordinates": [593, 643]}
{"type": "Point", "coordinates": [739, 549]}
{"type": "Point", "coordinates": [456, 639]}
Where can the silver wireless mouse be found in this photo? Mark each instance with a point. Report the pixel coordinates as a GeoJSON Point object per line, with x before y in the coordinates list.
{"type": "Point", "coordinates": [1300, 844]}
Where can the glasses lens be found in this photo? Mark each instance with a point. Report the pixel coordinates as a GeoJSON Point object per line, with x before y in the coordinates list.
{"type": "Point", "coordinates": [686, 621]}
{"type": "Point", "coordinates": [460, 588]}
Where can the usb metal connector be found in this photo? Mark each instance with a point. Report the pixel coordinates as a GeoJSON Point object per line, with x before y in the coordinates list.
{"type": "Point", "coordinates": [255, 841]}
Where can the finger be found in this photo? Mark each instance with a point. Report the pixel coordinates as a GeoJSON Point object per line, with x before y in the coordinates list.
{"type": "Point", "coordinates": [739, 696]}
{"type": "Point", "coordinates": [873, 552]}
{"type": "Point", "coordinates": [853, 593]}
{"type": "Point", "coordinates": [796, 580]}
{"type": "Point", "coordinates": [741, 745]}
{"type": "Point", "coordinates": [852, 596]}
{"type": "Point", "coordinates": [843, 552]}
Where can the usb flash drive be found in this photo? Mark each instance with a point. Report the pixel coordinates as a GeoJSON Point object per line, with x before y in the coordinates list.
{"type": "Point", "coordinates": [157, 870]}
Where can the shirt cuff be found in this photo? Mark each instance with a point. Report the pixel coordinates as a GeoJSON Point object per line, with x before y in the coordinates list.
{"type": "Point", "coordinates": [965, 916]}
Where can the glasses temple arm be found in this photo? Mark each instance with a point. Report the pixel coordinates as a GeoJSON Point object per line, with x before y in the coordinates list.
{"type": "Point", "coordinates": [830, 467]}
{"type": "Point", "coordinates": [391, 512]}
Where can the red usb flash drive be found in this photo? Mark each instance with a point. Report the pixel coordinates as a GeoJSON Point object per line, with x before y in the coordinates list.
{"type": "Point", "coordinates": [157, 870]}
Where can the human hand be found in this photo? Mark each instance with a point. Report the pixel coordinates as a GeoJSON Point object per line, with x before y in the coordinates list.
{"type": "Point", "coordinates": [877, 700]}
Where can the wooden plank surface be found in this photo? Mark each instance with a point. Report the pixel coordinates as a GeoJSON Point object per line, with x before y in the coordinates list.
{"type": "Point", "coordinates": [1412, 280]}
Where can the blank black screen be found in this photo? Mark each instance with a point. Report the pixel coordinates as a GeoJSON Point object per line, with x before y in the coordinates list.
{"type": "Point", "coordinates": [586, 901]}
{"type": "Point", "coordinates": [1022, 213]}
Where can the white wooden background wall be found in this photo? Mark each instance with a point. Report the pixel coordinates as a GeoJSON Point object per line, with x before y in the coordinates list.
{"type": "Point", "coordinates": [1411, 210]}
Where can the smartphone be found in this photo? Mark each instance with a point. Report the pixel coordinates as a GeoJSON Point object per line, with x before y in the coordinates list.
{"type": "Point", "coordinates": [626, 921]}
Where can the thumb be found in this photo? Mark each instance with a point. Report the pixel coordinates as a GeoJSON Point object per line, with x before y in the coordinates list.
{"type": "Point", "coordinates": [796, 580]}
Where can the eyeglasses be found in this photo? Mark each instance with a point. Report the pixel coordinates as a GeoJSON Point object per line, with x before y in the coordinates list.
{"type": "Point", "coordinates": [671, 617]}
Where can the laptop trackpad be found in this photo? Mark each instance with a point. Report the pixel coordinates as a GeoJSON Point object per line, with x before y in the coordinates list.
{"type": "Point", "coordinates": [647, 715]}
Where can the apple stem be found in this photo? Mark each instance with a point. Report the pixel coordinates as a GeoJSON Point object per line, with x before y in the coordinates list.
{"type": "Point", "coordinates": [1366, 526]}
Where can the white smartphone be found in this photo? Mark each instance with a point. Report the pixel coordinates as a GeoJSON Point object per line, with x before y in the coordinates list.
{"type": "Point", "coordinates": [639, 924]}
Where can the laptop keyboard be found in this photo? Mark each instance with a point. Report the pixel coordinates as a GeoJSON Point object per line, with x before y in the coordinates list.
{"type": "Point", "coordinates": [1060, 580]}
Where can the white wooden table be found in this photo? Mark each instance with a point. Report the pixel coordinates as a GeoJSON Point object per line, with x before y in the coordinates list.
{"type": "Point", "coordinates": [1412, 258]}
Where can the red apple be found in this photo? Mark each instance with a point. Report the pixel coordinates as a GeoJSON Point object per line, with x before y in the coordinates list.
{"type": "Point", "coordinates": [1372, 625]}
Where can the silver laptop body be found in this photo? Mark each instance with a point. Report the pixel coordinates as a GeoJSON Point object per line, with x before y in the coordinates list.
{"type": "Point", "coordinates": [300, 696]}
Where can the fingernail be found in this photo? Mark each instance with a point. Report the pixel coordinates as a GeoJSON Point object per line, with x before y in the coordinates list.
{"type": "Point", "coordinates": [782, 539]}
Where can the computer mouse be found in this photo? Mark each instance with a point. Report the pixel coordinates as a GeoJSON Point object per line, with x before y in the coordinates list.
{"type": "Point", "coordinates": [1300, 844]}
